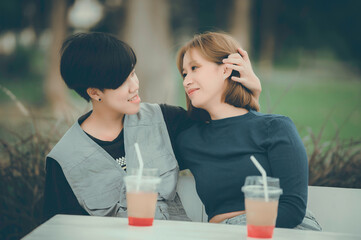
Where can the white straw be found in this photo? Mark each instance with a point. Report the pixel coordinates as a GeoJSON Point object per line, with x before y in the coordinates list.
{"type": "Point", "coordinates": [141, 165]}
{"type": "Point", "coordinates": [264, 176]}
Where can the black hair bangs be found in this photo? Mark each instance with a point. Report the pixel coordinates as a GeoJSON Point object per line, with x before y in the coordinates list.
{"type": "Point", "coordinates": [95, 60]}
{"type": "Point", "coordinates": [116, 61]}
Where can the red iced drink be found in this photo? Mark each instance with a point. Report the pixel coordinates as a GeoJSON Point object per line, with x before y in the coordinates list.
{"type": "Point", "coordinates": [259, 231]}
{"type": "Point", "coordinates": [261, 217]}
{"type": "Point", "coordinates": [141, 196]}
{"type": "Point", "coordinates": [141, 208]}
{"type": "Point", "coordinates": [261, 205]}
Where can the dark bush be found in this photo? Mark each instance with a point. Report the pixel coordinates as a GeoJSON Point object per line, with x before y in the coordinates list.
{"type": "Point", "coordinates": [22, 175]}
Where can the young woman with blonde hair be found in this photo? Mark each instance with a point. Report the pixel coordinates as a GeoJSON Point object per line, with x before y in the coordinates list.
{"type": "Point", "coordinates": [228, 129]}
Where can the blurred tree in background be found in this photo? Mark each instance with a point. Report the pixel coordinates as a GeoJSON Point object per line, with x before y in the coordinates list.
{"type": "Point", "coordinates": [148, 32]}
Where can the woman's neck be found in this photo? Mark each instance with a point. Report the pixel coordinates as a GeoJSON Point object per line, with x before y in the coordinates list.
{"type": "Point", "coordinates": [103, 125]}
{"type": "Point", "coordinates": [225, 110]}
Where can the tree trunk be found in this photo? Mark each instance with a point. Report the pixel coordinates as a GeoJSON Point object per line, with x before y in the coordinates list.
{"type": "Point", "coordinates": [241, 23]}
{"type": "Point", "coordinates": [147, 31]}
{"type": "Point", "coordinates": [55, 88]}
{"type": "Point", "coordinates": [267, 48]}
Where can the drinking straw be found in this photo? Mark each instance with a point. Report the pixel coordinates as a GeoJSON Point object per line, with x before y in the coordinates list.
{"type": "Point", "coordinates": [141, 165]}
{"type": "Point", "coordinates": [264, 176]}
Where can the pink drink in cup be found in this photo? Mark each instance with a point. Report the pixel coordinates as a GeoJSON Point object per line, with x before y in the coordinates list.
{"type": "Point", "coordinates": [261, 214]}
{"type": "Point", "coordinates": [141, 196]}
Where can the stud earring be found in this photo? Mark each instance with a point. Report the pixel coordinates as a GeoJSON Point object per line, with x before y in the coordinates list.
{"type": "Point", "coordinates": [99, 99]}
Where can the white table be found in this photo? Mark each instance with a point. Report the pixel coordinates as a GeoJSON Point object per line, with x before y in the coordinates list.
{"type": "Point", "coordinates": [98, 228]}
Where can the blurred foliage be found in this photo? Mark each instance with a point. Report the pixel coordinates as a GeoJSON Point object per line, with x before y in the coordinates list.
{"type": "Point", "coordinates": [22, 184]}
{"type": "Point", "coordinates": [312, 26]}
{"type": "Point", "coordinates": [336, 163]}
{"type": "Point", "coordinates": [300, 24]}
{"type": "Point", "coordinates": [23, 73]}
{"type": "Point", "coordinates": [16, 15]}
{"type": "Point", "coordinates": [23, 63]}
{"type": "Point", "coordinates": [22, 174]}
{"type": "Point", "coordinates": [194, 16]}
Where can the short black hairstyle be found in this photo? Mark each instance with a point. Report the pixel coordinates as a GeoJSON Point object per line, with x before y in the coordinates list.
{"type": "Point", "coordinates": [95, 60]}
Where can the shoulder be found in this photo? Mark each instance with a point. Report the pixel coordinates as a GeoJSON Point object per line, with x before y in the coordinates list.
{"type": "Point", "coordinates": [165, 109]}
{"type": "Point", "coordinates": [275, 125]}
{"type": "Point", "coordinates": [54, 169]}
{"type": "Point", "coordinates": [173, 113]}
{"type": "Point", "coordinates": [281, 129]}
{"type": "Point", "coordinates": [176, 119]}
{"type": "Point", "coordinates": [51, 164]}
{"type": "Point", "coordinates": [149, 106]}
{"type": "Point", "coordinates": [149, 109]}
{"type": "Point", "coordinates": [148, 113]}
{"type": "Point", "coordinates": [169, 109]}
{"type": "Point", "coordinates": [74, 142]}
{"type": "Point", "coordinates": [68, 136]}
{"type": "Point", "coordinates": [273, 120]}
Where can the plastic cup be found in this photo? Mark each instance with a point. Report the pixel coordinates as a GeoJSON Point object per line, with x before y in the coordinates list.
{"type": "Point", "coordinates": [261, 215]}
{"type": "Point", "coordinates": [141, 196]}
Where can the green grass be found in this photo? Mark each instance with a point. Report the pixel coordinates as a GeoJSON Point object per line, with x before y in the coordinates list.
{"type": "Point", "coordinates": [28, 90]}
{"type": "Point", "coordinates": [312, 102]}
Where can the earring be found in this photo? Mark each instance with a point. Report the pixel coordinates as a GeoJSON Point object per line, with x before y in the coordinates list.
{"type": "Point", "coordinates": [99, 99]}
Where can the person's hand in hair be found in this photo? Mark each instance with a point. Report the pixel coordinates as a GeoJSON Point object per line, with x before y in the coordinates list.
{"type": "Point", "coordinates": [241, 63]}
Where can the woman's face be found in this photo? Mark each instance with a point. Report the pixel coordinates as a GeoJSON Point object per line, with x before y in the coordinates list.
{"type": "Point", "coordinates": [203, 80]}
{"type": "Point", "coordinates": [125, 98]}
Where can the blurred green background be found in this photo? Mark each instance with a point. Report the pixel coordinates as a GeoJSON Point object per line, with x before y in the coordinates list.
{"type": "Point", "coordinates": [307, 57]}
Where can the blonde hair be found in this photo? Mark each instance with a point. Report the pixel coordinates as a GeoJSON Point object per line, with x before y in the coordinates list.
{"type": "Point", "coordinates": [215, 47]}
